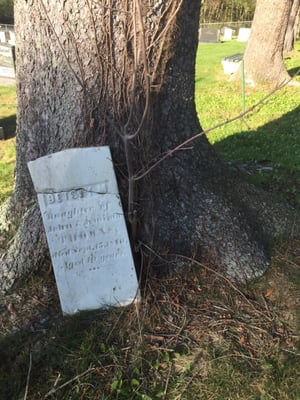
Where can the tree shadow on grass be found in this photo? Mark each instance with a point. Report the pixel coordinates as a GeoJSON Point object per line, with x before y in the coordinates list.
{"type": "Point", "coordinates": [9, 126]}
{"type": "Point", "coordinates": [275, 149]}
{"type": "Point", "coordinates": [277, 141]}
{"type": "Point", "coordinates": [50, 349]}
{"type": "Point", "coordinates": [293, 71]}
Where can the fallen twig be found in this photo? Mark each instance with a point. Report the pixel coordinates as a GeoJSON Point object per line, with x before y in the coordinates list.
{"type": "Point", "coordinates": [192, 260]}
{"type": "Point", "coordinates": [28, 376]}
{"type": "Point", "coordinates": [54, 390]}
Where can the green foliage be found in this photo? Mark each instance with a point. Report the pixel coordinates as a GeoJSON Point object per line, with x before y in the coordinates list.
{"type": "Point", "coordinates": [6, 11]}
{"type": "Point", "coordinates": [227, 10]}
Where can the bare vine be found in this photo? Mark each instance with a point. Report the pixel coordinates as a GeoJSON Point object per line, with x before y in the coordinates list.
{"type": "Point", "coordinates": [183, 145]}
{"type": "Point", "coordinates": [140, 60]}
{"type": "Point", "coordinates": [126, 82]}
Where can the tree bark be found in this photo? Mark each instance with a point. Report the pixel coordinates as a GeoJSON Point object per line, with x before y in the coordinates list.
{"type": "Point", "coordinates": [121, 73]}
{"type": "Point", "coordinates": [263, 58]}
{"type": "Point", "coordinates": [291, 32]}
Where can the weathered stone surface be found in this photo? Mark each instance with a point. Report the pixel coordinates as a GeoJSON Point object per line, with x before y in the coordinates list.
{"type": "Point", "coordinates": [85, 228]}
{"type": "Point", "coordinates": [227, 34]}
{"type": "Point", "coordinates": [6, 61]}
{"type": "Point", "coordinates": [209, 35]}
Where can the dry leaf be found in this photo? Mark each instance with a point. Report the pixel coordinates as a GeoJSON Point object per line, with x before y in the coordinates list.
{"type": "Point", "coordinates": [280, 330]}
{"type": "Point", "coordinates": [11, 308]}
{"type": "Point", "coordinates": [243, 340]}
{"type": "Point", "coordinates": [269, 292]}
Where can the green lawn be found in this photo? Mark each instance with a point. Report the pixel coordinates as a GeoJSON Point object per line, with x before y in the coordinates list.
{"type": "Point", "coordinates": [8, 110]}
{"type": "Point", "coordinates": [7, 147]}
{"type": "Point", "coordinates": [7, 167]}
{"type": "Point", "coordinates": [268, 135]}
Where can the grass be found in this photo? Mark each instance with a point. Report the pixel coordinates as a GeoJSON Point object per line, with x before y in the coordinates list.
{"type": "Point", "coordinates": [7, 147]}
{"type": "Point", "coordinates": [269, 135]}
{"type": "Point", "coordinates": [7, 167]}
{"type": "Point", "coordinates": [8, 110]}
{"type": "Point", "coordinates": [193, 336]}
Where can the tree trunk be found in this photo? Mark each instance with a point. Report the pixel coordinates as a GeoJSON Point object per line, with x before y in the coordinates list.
{"type": "Point", "coordinates": [263, 58]}
{"type": "Point", "coordinates": [291, 32]}
{"type": "Point", "coordinates": [121, 73]}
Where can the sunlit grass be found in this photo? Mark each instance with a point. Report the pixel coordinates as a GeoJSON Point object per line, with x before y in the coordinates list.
{"type": "Point", "coordinates": [8, 110]}
{"type": "Point", "coordinates": [269, 134]}
{"type": "Point", "coordinates": [7, 147]}
{"type": "Point", "coordinates": [7, 167]}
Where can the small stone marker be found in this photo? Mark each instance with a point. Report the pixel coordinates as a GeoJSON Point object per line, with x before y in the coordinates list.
{"type": "Point", "coordinates": [244, 34]}
{"type": "Point", "coordinates": [209, 35]}
{"type": "Point", "coordinates": [85, 228]}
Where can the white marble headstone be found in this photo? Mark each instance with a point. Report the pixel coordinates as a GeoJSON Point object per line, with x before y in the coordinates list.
{"type": "Point", "coordinates": [244, 34]}
{"type": "Point", "coordinates": [227, 34]}
{"type": "Point", "coordinates": [85, 227]}
{"type": "Point", "coordinates": [2, 37]}
{"type": "Point", "coordinates": [6, 61]}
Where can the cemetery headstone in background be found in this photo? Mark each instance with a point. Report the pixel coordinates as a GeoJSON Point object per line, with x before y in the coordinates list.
{"type": "Point", "coordinates": [7, 36]}
{"type": "Point", "coordinates": [209, 35]}
{"type": "Point", "coordinates": [227, 34]}
{"type": "Point", "coordinates": [7, 61]}
{"type": "Point", "coordinates": [244, 34]}
{"type": "Point", "coordinates": [85, 228]}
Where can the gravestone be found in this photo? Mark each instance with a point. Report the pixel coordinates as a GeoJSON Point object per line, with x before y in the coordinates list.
{"type": "Point", "coordinates": [12, 39]}
{"type": "Point", "coordinates": [7, 36]}
{"type": "Point", "coordinates": [85, 228]}
{"type": "Point", "coordinates": [227, 34]}
{"type": "Point", "coordinates": [5, 50]}
{"type": "Point", "coordinates": [7, 68]}
{"type": "Point", "coordinates": [244, 34]}
{"type": "Point", "coordinates": [209, 35]}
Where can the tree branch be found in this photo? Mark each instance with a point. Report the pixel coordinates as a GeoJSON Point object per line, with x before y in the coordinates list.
{"type": "Point", "coordinates": [54, 390]}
